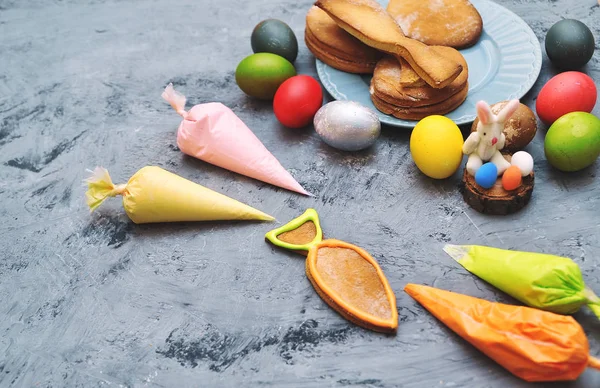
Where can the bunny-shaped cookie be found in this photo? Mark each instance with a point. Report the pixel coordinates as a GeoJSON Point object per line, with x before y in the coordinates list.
{"type": "Point", "coordinates": [485, 144]}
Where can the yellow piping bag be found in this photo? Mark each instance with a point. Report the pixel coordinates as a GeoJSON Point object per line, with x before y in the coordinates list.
{"type": "Point", "coordinates": [156, 195]}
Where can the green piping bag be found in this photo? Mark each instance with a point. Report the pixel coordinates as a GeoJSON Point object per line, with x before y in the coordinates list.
{"type": "Point", "coordinates": [547, 282]}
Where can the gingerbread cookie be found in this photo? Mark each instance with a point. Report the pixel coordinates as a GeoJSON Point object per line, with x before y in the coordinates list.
{"type": "Point", "coordinates": [337, 48]}
{"type": "Point", "coordinates": [388, 73]}
{"type": "Point", "coordinates": [454, 23]}
{"type": "Point", "coordinates": [299, 234]}
{"type": "Point", "coordinates": [372, 25]}
{"type": "Point", "coordinates": [345, 276]}
{"type": "Point", "coordinates": [351, 282]}
{"type": "Point", "coordinates": [417, 102]}
{"type": "Point", "coordinates": [420, 112]}
{"type": "Point", "coordinates": [408, 77]}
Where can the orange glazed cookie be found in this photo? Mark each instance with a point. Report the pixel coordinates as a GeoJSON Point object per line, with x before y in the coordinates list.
{"type": "Point", "coordinates": [345, 276]}
{"type": "Point", "coordinates": [351, 282]}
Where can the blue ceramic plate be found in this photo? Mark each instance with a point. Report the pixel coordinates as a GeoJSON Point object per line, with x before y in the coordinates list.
{"type": "Point", "coordinates": [503, 65]}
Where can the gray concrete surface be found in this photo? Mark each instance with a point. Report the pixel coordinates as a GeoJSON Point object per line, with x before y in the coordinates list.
{"type": "Point", "coordinates": [94, 300]}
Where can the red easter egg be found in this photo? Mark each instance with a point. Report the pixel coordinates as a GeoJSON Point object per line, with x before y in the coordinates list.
{"type": "Point", "coordinates": [511, 179]}
{"type": "Point", "coordinates": [567, 92]}
{"type": "Point", "coordinates": [297, 101]}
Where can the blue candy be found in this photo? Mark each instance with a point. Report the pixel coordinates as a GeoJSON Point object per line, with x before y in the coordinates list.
{"type": "Point", "coordinates": [486, 175]}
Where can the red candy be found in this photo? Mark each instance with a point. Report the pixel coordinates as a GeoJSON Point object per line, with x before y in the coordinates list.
{"type": "Point", "coordinates": [297, 101]}
{"type": "Point", "coordinates": [511, 179]}
{"type": "Point", "coordinates": [567, 92]}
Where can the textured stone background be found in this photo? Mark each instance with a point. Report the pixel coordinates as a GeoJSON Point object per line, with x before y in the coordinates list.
{"type": "Point", "coordinates": [96, 300]}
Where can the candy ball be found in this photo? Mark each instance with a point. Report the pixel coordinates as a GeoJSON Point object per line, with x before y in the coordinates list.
{"type": "Point", "coordinates": [523, 161]}
{"type": "Point", "coordinates": [260, 75]}
{"type": "Point", "coordinates": [486, 175]}
{"type": "Point", "coordinates": [511, 179]}
{"type": "Point", "coordinates": [347, 125]}
{"type": "Point", "coordinates": [436, 146]}
{"type": "Point", "coordinates": [297, 101]}
{"type": "Point", "coordinates": [564, 93]}
{"type": "Point", "coordinates": [573, 141]}
{"type": "Point", "coordinates": [276, 37]}
{"type": "Point", "coordinates": [569, 44]}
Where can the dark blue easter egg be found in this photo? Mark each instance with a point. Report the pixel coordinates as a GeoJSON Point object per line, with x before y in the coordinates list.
{"type": "Point", "coordinates": [569, 44]}
{"type": "Point", "coordinates": [275, 37]}
{"type": "Point", "coordinates": [486, 175]}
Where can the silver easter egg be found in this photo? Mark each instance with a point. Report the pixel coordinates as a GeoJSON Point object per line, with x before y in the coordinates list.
{"type": "Point", "coordinates": [347, 125]}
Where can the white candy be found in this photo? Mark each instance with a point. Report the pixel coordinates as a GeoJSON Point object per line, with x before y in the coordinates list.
{"type": "Point", "coordinates": [524, 161]}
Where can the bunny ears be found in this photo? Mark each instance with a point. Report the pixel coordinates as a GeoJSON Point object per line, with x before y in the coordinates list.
{"type": "Point", "coordinates": [486, 116]}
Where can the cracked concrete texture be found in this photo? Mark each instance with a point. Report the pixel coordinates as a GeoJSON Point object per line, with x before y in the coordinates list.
{"type": "Point", "coordinates": [90, 300]}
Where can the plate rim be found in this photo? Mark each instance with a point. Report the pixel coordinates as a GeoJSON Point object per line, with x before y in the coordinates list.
{"type": "Point", "coordinates": [465, 119]}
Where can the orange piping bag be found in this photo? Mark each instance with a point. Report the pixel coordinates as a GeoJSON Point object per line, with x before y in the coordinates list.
{"type": "Point", "coordinates": [532, 344]}
{"type": "Point", "coordinates": [547, 282]}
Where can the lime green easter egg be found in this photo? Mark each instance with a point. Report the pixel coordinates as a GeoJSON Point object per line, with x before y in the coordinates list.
{"type": "Point", "coordinates": [259, 75]}
{"type": "Point", "coordinates": [573, 141]}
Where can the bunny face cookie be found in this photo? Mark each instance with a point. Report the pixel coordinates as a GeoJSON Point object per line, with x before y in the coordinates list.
{"type": "Point", "coordinates": [485, 143]}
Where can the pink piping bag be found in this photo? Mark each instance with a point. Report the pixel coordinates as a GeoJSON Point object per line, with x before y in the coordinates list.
{"type": "Point", "coordinates": [213, 133]}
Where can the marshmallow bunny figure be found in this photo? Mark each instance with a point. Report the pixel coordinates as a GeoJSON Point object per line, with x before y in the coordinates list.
{"type": "Point", "coordinates": [485, 144]}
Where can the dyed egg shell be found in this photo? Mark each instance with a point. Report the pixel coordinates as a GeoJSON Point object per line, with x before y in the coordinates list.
{"type": "Point", "coordinates": [486, 175]}
{"type": "Point", "coordinates": [519, 130]}
{"type": "Point", "coordinates": [573, 141]}
{"type": "Point", "coordinates": [436, 146]}
{"type": "Point", "coordinates": [569, 44]}
{"type": "Point", "coordinates": [564, 93]}
{"type": "Point", "coordinates": [276, 37]}
{"type": "Point", "coordinates": [297, 101]}
{"type": "Point", "coordinates": [523, 161]}
{"type": "Point", "coordinates": [260, 75]}
{"type": "Point", "coordinates": [511, 179]}
{"type": "Point", "coordinates": [347, 125]}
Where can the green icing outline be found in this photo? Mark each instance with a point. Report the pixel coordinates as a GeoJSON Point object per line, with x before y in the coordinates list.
{"type": "Point", "coordinates": [309, 215]}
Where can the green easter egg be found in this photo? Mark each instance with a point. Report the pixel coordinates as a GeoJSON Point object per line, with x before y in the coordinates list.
{"type": "Point", "coordinates": [573, 141]}
{"type": "Point", "coordinates": [276, 37]}
{"type": "Point", "coordinates": [259, 75]}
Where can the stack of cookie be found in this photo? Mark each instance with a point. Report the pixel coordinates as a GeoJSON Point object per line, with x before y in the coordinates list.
{"type": "Point", "coordinates": [395, 95]}
{"type": "Point", "coordinates": [337, 48]}
{"type": "Point", "coordinates": [415, 74]}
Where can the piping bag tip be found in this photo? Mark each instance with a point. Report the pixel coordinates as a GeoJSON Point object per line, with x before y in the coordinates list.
{"type": "Point", "coordinates": [456, 252]}
{"type": "Point", "coordinates": [595, 309]}
{"type": "Point", "coordinates": [594, 363]}
{"type": "Point", "coordinates": [411, 288]}
{"type": "Point", "coordinates": [297, 188]}
{"type": "Point", "coordinates": [593, 302]}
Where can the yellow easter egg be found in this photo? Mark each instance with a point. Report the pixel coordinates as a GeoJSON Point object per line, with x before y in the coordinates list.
{"type": "Point", "coordinates": [436, 146]}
